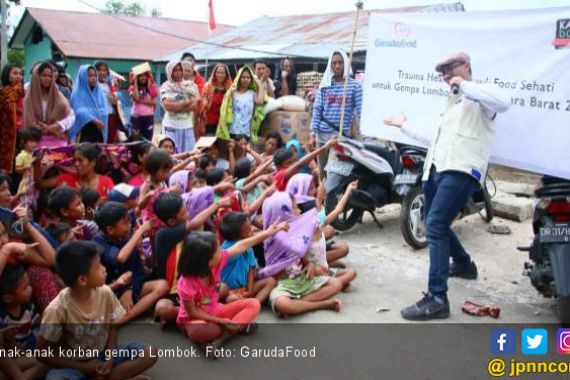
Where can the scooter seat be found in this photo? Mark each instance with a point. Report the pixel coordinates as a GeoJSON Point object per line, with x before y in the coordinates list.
{"type": "Point", "coordinates": [388, 154]}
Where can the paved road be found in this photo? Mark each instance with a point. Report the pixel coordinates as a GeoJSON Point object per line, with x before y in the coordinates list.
{"type": "Point", "coordinates": [390, 276]}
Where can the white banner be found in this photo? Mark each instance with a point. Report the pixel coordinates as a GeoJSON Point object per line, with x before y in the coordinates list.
{"type": "Point", "coordinates": [526, 53]}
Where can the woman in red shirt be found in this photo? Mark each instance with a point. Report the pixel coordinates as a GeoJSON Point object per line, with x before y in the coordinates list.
{"type": "Point", "coordinates": [85, 157]}
{"type": "Point", "coordinates": [212, 97]}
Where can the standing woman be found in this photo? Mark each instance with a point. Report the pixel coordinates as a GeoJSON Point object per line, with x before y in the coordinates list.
{"type": "Point", "coordinates": [286, 79]}
{"type": "Point", "coordinates": [242, 109]}
{"type": "Point", "coordinates": [113, 120]}
{"type": "Point", "coordinates": [143, 91]}
{"type": "Point", "coordinates": [179, 101]}
{"type": "Point", "coordinates": [11, 109]}
{"type": "Point", "coordinates": [46, 108]}
{"type": "Point", "coordinates": [90, 105]}
{"type": "Point", "coordinates": [212, 98]}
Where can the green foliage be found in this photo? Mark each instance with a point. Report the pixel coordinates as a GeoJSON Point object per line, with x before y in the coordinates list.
{"type": "Point", "coordinates": [17, 57]}
{"type": "Point", "coordinates": [132, 8]}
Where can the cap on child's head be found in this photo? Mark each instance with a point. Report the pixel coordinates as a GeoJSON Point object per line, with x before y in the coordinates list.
{"type": "Point", "coordinates": [122, 193]}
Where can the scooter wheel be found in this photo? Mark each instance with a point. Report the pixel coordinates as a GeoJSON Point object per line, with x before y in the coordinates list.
{"type": "Point", "coordinates": [412, 223]}
{"type": "Point", "coordinates": [349, 217]}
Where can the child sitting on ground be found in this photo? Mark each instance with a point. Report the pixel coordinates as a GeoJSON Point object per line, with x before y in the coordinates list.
{"type": "Point", "coordinates": [215, 161]}
{"type": "Point", "coordinates": [19, 320]}
{"type": "Point", "coordinates": [91, 200]}
{"type": "Point", "coordinates": [158, 165]}
{"type": "Point", "coordinates": [172, 211]}
{"type": "Point", "coordinates": [7, 200]}
{"type": "Point", "coordinates": [120, 256]}
{"type": "Point", "coordinates": [38, 259]}
{"type": "Point", "coordinates": [301, 188]}
{"type": "Point", "coordinates": [252, 183]}
{"type": "Point", "coordinates": [81, 318]}
{"type": "Point", "coordinates": [200, 175]}
{"type": "Point", "coordinates": [302, 285]}
{"type": "Point", "coordinates": [128, 196]}
{"type": "Point", "coordinates": [202, 318]}
{"type": "Point", "coordinates": [287, 167]}
{"type": "Point", "coordinates": [65, 204]}
{"type": "Point", "coordinates": [239, 273]}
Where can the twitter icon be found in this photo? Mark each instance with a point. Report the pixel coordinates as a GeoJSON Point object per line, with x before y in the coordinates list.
{"type": "Point", "coordinates": [534, 342]}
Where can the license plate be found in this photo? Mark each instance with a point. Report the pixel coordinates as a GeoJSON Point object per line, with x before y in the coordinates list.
{"type": "Point", "coordinates": [555, 234]}
{"type": "Point", "coordinates": [339, 167]}
{"type": "Point", "coordinates": [405, 179]}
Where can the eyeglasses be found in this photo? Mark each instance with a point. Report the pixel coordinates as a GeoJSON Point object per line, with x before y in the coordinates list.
{"type": "Point", "coordinates": [450, 67]}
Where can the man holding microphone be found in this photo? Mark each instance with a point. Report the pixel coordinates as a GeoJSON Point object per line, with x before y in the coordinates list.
{"type": "Point", "coordinates": [455, 167]}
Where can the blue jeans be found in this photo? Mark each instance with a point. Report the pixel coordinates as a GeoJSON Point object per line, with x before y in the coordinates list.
{"type": "Point", "coordinates": [445, 194]}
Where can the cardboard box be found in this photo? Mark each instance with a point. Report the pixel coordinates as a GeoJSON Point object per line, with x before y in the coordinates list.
{"type": "Point", "coordinates": [291, 125]}
{"type": "Point", "coordinates": [141, 69]}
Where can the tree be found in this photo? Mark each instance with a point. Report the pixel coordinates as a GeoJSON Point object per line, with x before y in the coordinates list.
{"type": "Point", "coordinates": [132, 8]}
{"type": "Point", "coordinates": [17, 57]}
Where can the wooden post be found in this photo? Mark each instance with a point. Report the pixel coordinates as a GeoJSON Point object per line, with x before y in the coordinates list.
{"type": "Point", "coordinates": [359, 6]}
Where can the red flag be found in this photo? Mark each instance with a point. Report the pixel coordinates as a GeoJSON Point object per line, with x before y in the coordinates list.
{"type": "Point", "coordinates": [212, 21]}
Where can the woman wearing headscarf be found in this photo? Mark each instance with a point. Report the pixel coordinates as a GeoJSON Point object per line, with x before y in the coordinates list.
{"type": "Point", "coordinates": [178, 98]}
{"type": "Point", "coordinates": [143, 91]}
{"type": "Point", "coordinates": [212, 98]}
{"type": "Point", "coordinates": [298, 152]}
{"type": "Point", "coordinates": [11, 109]}
{"type": "Point", "coordinates": [242, 108]}
{"type": "Point", "coordinates": [286, 79]}
{"type": "Point", "coordinates": [46, 108]}
{"type": "Point", "coordinates": [113, 120]}
{"type": "Point", "coordinates": [90, 106]}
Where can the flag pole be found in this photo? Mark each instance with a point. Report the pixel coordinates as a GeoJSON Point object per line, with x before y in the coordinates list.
{"type": "Point", "coordinates": [4, 34]}
{"type": "Point", "coordinates": [359, 6]}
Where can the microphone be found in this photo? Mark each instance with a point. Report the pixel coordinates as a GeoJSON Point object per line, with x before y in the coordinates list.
{"type": "Point", "coordinates": [455, 89]}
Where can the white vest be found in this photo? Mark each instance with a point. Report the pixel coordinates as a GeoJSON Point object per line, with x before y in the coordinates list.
{"type": "Point", "coordinates": [463, 141]}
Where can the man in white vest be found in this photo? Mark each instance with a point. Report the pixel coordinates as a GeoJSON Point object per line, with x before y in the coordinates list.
{"type": "Point", "coordinates": [455, 167]}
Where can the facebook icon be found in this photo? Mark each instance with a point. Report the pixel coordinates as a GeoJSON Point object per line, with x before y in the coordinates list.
{"type": "Point", "coordinates": [503, 342]}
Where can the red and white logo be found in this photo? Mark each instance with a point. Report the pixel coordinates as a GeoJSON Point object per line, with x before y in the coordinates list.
{"type": "Point", "coordinates": [401, 30]}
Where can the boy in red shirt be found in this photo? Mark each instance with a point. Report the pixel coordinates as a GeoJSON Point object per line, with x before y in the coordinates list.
{"type": "Point", "coordinates": [286, 168]}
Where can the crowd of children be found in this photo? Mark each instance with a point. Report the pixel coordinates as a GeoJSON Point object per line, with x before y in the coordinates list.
{"type": "Point", "coordinates": [201, 239]}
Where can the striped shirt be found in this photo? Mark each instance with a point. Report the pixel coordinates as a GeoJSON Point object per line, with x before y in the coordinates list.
{"type": "Point", "coordinates": [328, 103]}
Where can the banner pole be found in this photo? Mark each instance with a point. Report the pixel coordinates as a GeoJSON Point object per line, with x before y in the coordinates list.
{"type": "Point", "coordinates": [359, 6]}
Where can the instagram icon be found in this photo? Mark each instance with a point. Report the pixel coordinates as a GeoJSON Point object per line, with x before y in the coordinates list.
{"type": "Point", "coordinates": [563, 342]}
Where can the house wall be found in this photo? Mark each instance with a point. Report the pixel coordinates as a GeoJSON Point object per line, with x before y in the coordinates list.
{"type": "Point", "coordinates": [36, 52]}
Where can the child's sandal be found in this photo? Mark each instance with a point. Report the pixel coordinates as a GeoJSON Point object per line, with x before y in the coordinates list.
{"type": "Point", "coordinates": [250, 329]}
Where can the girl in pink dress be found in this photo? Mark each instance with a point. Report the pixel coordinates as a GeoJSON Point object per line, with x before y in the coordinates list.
{"type": "Point", "coordinates": [202, 318]}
